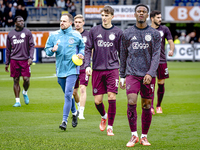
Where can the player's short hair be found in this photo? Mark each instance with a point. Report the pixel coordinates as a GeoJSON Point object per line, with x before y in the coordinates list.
{"type": "Point", "coordinates": [154, 13]}
{"type": "Point", "coordinates": [69, 16]}
{"type": "Point", "coordinates": [108, 10]}
{"type": "Point", "coordinates": [138, 5]}
{"type": "Point", "coordinates": [15, 19]}
{"type": "Point", "coordinates": [79, 16]}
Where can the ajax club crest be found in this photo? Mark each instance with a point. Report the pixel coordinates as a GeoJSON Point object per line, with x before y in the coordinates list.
{"type": "Point", "coordinates": [148, 37]}
{"type": "Point", "coordinates": [23, 35]}
{"type": "Point", "coordinates": [112, 36]}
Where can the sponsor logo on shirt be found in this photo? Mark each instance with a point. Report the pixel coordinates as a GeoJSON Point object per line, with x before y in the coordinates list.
{"type": "Point", "coordinates": [101, 43]}
{"type": "Point", "coordinates": [13, 37]}
{"type": "Point", "coordinates": [99, 36]}
{"type": "Point", "coordinates": [15, 41]}
{"type": "Point", "coordinates": [134, 38]}
{"type": "Point", "coordinates": [137, 45]}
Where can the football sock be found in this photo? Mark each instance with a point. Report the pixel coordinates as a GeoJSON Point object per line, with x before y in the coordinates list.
{"type": "Point", "coordinates": [111, 112]}
{"type": "Point", "coordinates": [78, 105]}
{"type": "Point", "coordinates": [144, 135]}
{"type": "Point", "coordinates": [101, 109]}
{"type": "Point", "coordinates": [160, 93]}
{"type": "Point", "coordinates": [134, 133]}
{"type": "Point", "coordinates": [74, 114]}
{"type": "Point", "coordinates": [24, 92]}
{"type": "Point", "coordinates": [105, 116]}
{"type": "Point", "coordinates": [17, 100]}
{"type": "Point", "coordinates": [132, 117]}
{"type": "Point", "coordinates": [82, 109]}
{"type": "Point", "coordinates": [64, 121]}
{"type": "Point", "coordinates": [109, 127]}
{"type": "Point", "coordinates": [146, 120]}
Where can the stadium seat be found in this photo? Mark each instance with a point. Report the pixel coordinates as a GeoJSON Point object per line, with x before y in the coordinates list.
{"type": "Point", "coordinates": [185, 1]}
{"type": "Point", "coordinates": [177, 1]}
{"type": "Point", "coordinates": [175, 4]}
{"type": "Point", "coordinates": [189, 4]}
{"type": "Point", "coordinates": [197, 4]}
{"type": "Point", "coordinates": [182, 4]}
{"type": "Point", "coordinates": [193, 1]}
{"type": "Point", "coordinates": [99, 2]}
{"type": "Point", "coordinates": [106, 2]}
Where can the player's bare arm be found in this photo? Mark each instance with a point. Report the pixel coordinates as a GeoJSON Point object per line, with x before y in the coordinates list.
{"type": "Point", "coordinates": [172, 46]}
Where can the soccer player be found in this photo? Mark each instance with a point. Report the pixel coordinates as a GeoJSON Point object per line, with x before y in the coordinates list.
{"type": "Point", "coordinates": [104, 39]}
{"type": "Point", "coordinates": [162, 72]}
{"type": "Point", "coordinates": [82, 78]}
{"type": "Point", "coordinates": [139, 59]}
{"type": "Point", "coordinates": [19, 54]}
{"type": "Point", "coordinates": [65, 43]}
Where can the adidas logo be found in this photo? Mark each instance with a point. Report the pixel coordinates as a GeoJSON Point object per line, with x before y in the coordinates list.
{"type": "Point", "coordinates": [134, 38]}
{"type": "Point", "coordinates": [99, 36]}
{"type": "Point", "coordinates": [13, 37]}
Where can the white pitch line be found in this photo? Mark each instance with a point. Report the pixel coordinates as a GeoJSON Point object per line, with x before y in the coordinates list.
{"type": "Point", "coordinates": [10, 78]}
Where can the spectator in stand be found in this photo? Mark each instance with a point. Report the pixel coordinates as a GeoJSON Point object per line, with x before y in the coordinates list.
{"type": "Point", "coordinates": [18, 11]}
{"type": "Point", "coordinates": [135, 2]}
{"type": "Point", "coordinates": [61, 7]}
{"type": "Point", "coordinates": [9, 20]}
{"type": "Point", "coordinates": [68, 6]}
{"type": "Point", "coordinates": [13, 9]}
{"type": "Point", "coordinates": [1, 19]}
{"type": "Point", "coordinates": [73, 9]}
{"type": "Point", "coordinates": [7, 10]}
{"type": "Point", "coordinates": [50, 3]}
{"type": "Point", "coordinates": [61, 4]}
{"type": "Point", "coordinates": [176, 40]}
{"type": "Point", "coordinates": [20, 2]}
{"type": "Point", "coordinates": [38, 4]}
{"type": "Point", "coordinates": [9, 1]}
{"type": "Point", "coordinates": [182, 38]}
{"type": "Point", "coordinates": [30, 3]}
{"type": "Point", "coordinates": [24, 13]}
{"type": "Point", "coordinates": [191, 37]}
{"type": "Point", "coordinates": [194, 38]}
{"type": "Point", "coordinates": [2, 6]}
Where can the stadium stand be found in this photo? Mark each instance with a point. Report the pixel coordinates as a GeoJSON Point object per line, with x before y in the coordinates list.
{"type": "Point", "coordinates": [186, 3]}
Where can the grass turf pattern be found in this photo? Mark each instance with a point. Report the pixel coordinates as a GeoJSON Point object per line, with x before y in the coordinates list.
{"type": "Point", "coordinates": [36, 126]}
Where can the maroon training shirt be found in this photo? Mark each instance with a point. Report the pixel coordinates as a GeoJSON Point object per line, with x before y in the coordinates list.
{"type": "Point", "coordinates": [106, 47]}
{"type": "Point", "coordinates": [19, 45]}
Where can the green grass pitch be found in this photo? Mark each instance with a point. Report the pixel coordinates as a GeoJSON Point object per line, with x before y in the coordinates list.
{"type": "Point", "coordinates": [36, 126]}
